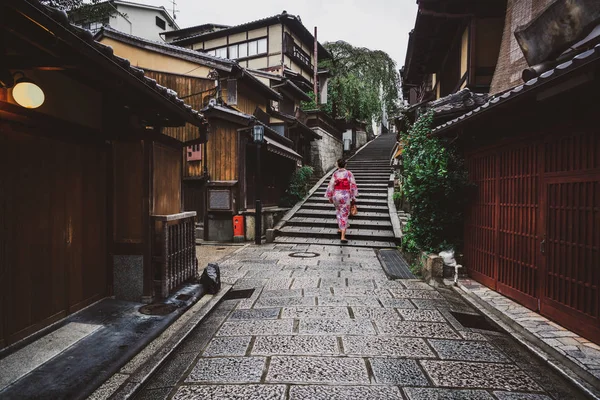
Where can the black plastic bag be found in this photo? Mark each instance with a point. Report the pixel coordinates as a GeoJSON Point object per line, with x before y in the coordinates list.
{"type": "Point", "coordinates": [211, 278]}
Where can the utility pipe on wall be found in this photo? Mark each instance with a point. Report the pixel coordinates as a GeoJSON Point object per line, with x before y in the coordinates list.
{"type": "Point", "coordinates": [315, 68]}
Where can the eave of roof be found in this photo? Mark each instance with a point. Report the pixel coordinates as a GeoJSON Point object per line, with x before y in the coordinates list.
{"type": "Point", "coordinates": [191, 29]}
{"type": "Point", "coordinates": [82, 41]}
{"type": "Point", "coordinates": [296, 92]}
{"type": "Point", "coordinates": [576, 63]}
{"type": "Point", "coordinates": [222, 64]}
{"type": "Point", "coordinates": [284, 18]}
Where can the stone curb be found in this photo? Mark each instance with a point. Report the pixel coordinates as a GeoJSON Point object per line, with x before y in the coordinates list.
{"type": "Point", "coordinates": [544, 352]}
{"type": "Point", "coordinates": [396, 225]}
{"type": "Point", "coordinates": [133, 375]}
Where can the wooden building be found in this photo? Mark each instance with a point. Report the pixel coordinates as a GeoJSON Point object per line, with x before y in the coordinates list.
{"type": "Point", "coordinates": [88, 180]}
{"type": "Point", "coordinates": [532, 231]}
{"type": "Point", "coordinates": [233, 100]}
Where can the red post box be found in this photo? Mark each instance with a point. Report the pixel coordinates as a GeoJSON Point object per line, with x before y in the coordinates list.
{"type": "Point", "coordinates": [238, 227]}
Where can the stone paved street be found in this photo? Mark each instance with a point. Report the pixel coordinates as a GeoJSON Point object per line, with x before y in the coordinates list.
{"type": "Point", "coordinates": [334, 327]}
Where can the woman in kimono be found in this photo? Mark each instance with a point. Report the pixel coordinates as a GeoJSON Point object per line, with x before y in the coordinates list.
{"type": "Point", "coordinates": [342, 192]}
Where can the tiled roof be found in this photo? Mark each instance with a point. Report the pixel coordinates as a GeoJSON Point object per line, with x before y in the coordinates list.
{"type": "Point", "coordinates": [60, 17]}
{"type": "Point", "coordinates": [464, 99]}
{"type": "Point", "coordinates": [213, 61]}
{"type": "Point", "coordinates": [587, 57]}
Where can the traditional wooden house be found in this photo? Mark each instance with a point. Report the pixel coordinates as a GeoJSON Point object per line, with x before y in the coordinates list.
{"type": "Point", "coordinates": [219, 178]}
{"type": "Point", "coordinates": [533, 150]}
{"type": "Point", "coordinates": [90, 184]}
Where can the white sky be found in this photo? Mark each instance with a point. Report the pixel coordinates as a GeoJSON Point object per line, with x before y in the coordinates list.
{"type": "Point", "coordinates": [375, 24]}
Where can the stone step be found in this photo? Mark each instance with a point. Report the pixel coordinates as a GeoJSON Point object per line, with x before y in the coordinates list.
{"type": "Point", "coordinates": [329, 213]}
{"type": "Point", "coordinates": [364, 194]}
{"type": "Point", "coordinates": [361, 200]}
{"type": "Point", "coordinates": [361, 207]}
{"type": "Point", "coordinates": [332, 222]}
{"type": "Point", "coordinates": [377, 244]}
{"type": "Point", "coordinates": [332, 232]}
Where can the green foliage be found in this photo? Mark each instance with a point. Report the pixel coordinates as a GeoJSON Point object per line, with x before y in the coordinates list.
{"type": "Point", "coordinates": [312, 105]}
{"type": "Point", "coordinates": [436, 186]}
{"type": "Point", "coordinates": [84, 11]}
{"type": "Point", "coordinates": [299, 186]}
{"type": "Point", "coordinates": [397, 197]}
{"type": "Point", "coordinates": [363, 82]}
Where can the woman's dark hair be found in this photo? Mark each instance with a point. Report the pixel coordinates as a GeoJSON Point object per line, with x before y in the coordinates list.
{"type": "Point", "coordinates": [341, 163]}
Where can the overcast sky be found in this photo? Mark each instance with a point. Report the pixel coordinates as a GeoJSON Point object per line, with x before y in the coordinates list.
{"type": "Point", "coordinates": [375, 24]}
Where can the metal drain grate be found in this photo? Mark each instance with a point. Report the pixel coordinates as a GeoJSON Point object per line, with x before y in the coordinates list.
{"type": "Point", "coordinates": [304, 254]}
{"type": "Point", "coordinates": [238, 294]}
{"type": "Point", "coordinates": [476, 322]}
{"type": "Point", "coordinates": [394, 265]}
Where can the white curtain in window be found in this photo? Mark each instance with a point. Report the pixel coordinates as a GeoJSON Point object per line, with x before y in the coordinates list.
{"type": "Point", "coordinates": [233, 51]}
{"type": "Point", "coordinates": [253, 48]}
{"type": "Point", "coordinates": [243, 50]}
{"type": "Point", "coordinates": [262, 46]}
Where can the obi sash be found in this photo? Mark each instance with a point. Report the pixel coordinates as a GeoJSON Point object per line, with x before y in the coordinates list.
{"type": "Point", "coordinates": [342, 184]}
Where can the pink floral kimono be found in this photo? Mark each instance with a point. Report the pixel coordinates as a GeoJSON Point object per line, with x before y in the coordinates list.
{"type": "Point", "coordinates": [342, 190]}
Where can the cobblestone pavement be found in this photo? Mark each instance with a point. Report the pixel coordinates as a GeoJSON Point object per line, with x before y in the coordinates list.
{"type": "Point", "coordinates": [334, 327]}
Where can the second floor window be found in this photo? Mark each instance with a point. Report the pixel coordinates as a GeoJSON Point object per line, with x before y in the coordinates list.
{"type": "Point", "coordinates": [241, 50]}
{"type": "Point", "coordinates": [161, 23]}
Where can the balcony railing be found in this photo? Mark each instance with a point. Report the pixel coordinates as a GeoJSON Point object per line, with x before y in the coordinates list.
{"type": "Point", "coordinates": [174, 251]}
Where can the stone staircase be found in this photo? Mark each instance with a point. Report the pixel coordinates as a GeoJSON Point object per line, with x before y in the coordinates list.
{"type": "Point", "coordinates": [315, 222]}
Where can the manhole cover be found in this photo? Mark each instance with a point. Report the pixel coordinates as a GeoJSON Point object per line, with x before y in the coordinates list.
{"type": "Point", "coordinates": [184, 297]}
{"type": "Point", "coordinates": [304, 254]}
{"type": "Point", "coordinates": [238, 294]}
{"type": "Point", "coordinates": [476, 322]}
{"type": "Point", "coordinates": [157, 309]}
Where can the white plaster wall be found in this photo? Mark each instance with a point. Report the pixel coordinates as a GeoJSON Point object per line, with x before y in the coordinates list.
{"type": "Point", "coordinates": [325, 152]}
{"type": "Point", "coordinates": [139, 22]}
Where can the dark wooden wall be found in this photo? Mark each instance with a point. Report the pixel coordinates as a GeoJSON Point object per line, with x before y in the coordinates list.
{"type": "Point", "coordinates": [166, 181]}
{"type": "Point", "coordinates": [54, 228]}
{"type": "Point", "coordinates": [222, 151]}
{"type": "Point", "coordinates": [128, 176]}
{"type": "Point", "coordinates": [193, 90]}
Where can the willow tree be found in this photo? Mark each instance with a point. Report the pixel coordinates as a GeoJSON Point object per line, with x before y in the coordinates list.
{"type": "Point", "coordinates": [364, 82]}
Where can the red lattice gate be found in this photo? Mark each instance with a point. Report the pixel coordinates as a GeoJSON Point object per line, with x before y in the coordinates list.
{"type": "Point", "coordinates": [533, 231]}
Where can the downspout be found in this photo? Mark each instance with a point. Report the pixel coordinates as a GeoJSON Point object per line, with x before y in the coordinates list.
{"type": "Point", "coordinates": [315, 68]}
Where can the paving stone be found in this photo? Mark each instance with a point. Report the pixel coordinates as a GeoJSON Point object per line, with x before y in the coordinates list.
{"type": "Point", "coordinates": [313, 274]}
{"type": "Point", "coordinates": [278, 283]}
{"type": "Point", "coordinates": [422, 315]}
{"type": "Point", "coordinates": [348, 301]}
{"type": "Point", "coordinates": [249, 283]}
{"type": "Point", "coordinates": [256, 313]}
{"type": "Point", "coordinates": [228, 370]}
{"type": "Point", "coordinates": [375, 313]}
{"type": "Point", "coordinates": [315, 312]}
{"type": "Point", "coordinates": [281, 293]}
{"type": "Point", "coordinates": [274, 273]}
{"type": "Point", "coordinates": [321, 326]}
{"type": "Point", "coordinates": [520, 396]}
{"type": "Point", "coordinates": [397, 372]}
{"type": "Point", "coordinates": [386, 346]}
{"type": "Point", "coordinates": [361, 292]}
{"type": "Point", "coordinates": [295, 345]}
{"type": "Point", "coordinates": [227, 346]}
{"type": "Point", "coordinates": [415, 294]}
{"type": "Point", "coordinates": [231, 392]}
{"type": "Point", "coordinates": [314, 292]}
{"type": "Point", "coordinates": [387, 284]}
{"type": "Point", "coordinates": [271, 302]}
{"type": "Point", "coordinates": [339, 267]}
{"type": "Point", "coordinates": [479, 375]}
{"type": "Point", "coordinates": [467, 351]}
{"type": "Point", "coordinates": [361, 283]}
{"type": "Point", "coordinates": [417, 329]}
{"type": "Point", "coordinates": [431, 304]}
{"type": "Point", "coordinates": [446, 394]}
{"type": "Point", "coordinates": [317, 370]}
{"type": "Point", "coordinates": [329, 392]}
{"type": "Point", "coordinates": [396, 303]}
{"type": "Point", "coordinates": [306, 282]}
{"type": "Point", "coordinates": [257, 327]}
{"type": "Point", "coordinates": [333, 282]}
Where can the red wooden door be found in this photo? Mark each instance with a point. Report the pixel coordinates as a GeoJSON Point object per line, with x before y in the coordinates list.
{"type": "Point", "coordinates": [571, 253]}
